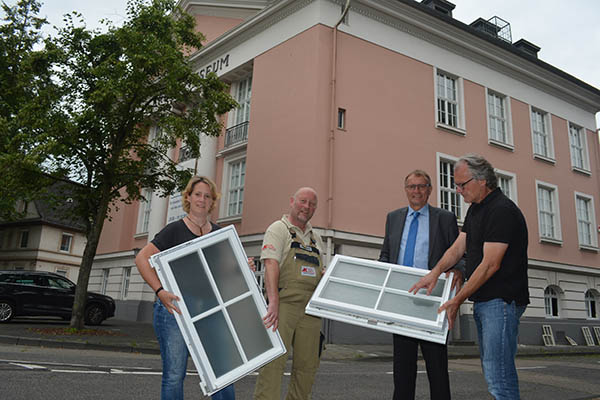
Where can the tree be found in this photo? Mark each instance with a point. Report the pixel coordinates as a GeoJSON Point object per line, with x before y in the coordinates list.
{"type": "Point", "coordinates": [113, 87]}
{"type": "Point", "coordinates": [26, 95]}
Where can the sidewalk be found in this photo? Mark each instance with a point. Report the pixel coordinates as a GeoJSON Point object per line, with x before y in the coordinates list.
{"type": "Point", "coordinates": [128, 336]}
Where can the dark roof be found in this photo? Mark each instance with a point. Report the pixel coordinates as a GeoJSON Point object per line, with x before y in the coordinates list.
{"type": "Point", "coordinates": [501, 43]}
{"type": "Point", "coordinates": [56, 208]}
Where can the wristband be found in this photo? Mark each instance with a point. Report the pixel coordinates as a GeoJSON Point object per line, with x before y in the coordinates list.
{"type": "Point", "coordinates": [158, 290]}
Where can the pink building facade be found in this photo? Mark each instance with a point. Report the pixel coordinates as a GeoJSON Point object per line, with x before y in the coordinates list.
{"type": "Point", "coordinates": [351, 109]}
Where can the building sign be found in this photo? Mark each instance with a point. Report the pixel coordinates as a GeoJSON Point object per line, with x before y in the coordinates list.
{"type": "Point", "coordinates": [175, 211]}
{"type": "Point", "coordinates": [216, 66]}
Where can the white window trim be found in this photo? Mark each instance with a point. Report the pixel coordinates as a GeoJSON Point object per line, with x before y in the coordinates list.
{"type": "Point", "coordinates": [372, 316]}
{"type": "Point", "coordinates": [20, 238]}
{"type": "Point", "coordinates": [104, 282]}
{"type": "Point", "coordinates": [70, 243]}
{"type": "Point", "coordinates": [125, 283]}
{"type": "Point", "coordinates": [232, 116]}
{"type": "Point", "coordinates": [224, 202]}
{"type": "Point", "coordinates": [513, 183]}
{"type": "Point", "coordinates": [555, 199]}
{"type": "Point", "coordinates": [586, 155]}
{"type": "Point", "coordinates": [590, 198]}
{"type": "Point", "coordinates": [548, 119]}
{"type": "Point", "coordinates": [594, 297]}
{"type": "Point", "coordinates": [464, 206]}
{"type": "Point", "coordinates": [557, 292]}
{"type": "Point", "coordinates": [143, 206]}
{"type": "Point", "coordinates": [209, 382]}
{"type": "Point", "coordinates": [509, 144]}
{"type": "Point", "coordinates": [460, 117]}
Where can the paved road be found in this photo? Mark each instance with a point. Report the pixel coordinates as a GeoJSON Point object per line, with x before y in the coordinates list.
{"type": "Point", "coordinates": [41, 373]}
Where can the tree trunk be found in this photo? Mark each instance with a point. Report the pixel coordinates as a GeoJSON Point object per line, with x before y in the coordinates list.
{"type": "Point", "coordinates": [93, 237]}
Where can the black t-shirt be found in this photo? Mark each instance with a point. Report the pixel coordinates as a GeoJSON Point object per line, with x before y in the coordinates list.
{"type": "Point", "coordinates": [498, 219]}
{"type": "Point", "coordinates": [175, 234]}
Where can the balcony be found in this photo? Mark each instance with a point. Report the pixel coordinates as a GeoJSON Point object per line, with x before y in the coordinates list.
{"type": "Point", "coordinates": [236, 134]}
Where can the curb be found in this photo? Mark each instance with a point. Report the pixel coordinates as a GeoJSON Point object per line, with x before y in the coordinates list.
{"type": "Point", "coordinates": [20, 341]}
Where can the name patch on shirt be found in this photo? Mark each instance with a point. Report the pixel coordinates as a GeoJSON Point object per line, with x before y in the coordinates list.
{"type": "Point", "coordinates": [308, 271]}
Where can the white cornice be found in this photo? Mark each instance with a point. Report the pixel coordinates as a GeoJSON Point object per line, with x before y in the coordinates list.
{"type": "Point", "coordinates": [567, 268]}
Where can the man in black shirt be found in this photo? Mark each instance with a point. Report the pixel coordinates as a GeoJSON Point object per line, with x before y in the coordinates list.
{"type": "Point", "coordinates": [494, 236]}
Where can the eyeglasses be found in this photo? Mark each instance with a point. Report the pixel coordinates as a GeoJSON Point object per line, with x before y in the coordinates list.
{"type": "Point", "coordinates": [461, 186]}
{"type": "Point", "coordinates": [421, 186]}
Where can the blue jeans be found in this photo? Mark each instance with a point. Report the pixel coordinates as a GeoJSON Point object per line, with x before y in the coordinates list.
{"type": "Point", "coordinates": [497, 328]}
{"type": "Point", "coordinates": [174, 354]}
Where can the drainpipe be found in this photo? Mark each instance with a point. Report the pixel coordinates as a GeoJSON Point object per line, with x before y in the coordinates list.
{"type": "Point", "coordinates": [332, 116]}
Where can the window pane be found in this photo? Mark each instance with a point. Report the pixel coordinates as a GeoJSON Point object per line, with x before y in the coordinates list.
{"type": "Point", "coordinates": [402, 281]}
{"type": "Point", "coordinates": [249, 327]}
{"type": "Point", "coordinates": [193, 283]}
{"type": "Point", "coordinates": [344, 293]}
{"type": "Point", "coordinates": [357, 273]}
{"type": "Point", "coordinates": [410, 305]}
{"type": "Point", "coordinates": [218, 343]}
{"type": "Point", "coordinates": [225, 270]}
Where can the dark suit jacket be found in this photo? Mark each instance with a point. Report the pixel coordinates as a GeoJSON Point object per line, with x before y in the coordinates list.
{"type": "Point", "coordinates": [443, 231]}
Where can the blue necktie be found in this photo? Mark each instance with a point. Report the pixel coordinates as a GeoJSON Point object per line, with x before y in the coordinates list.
{"type": "Point", "coordinates": [409, 251]}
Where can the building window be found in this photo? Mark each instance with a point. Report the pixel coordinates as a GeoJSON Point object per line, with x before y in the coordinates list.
{"type": "Point", "coordinates": [242, 92]}
{"type": "Point", "coordinates": [235, 189]}
{"type": "Point", "coordinates": [1, 239]}
{"type": "Point", "coordinates": [449, 101]}
{"type": "Point", "coordinates": [24, 239]}
{"type": "Point", "coordinates": [579, 151]}
{"type": "Point", "coordinates": [341, 121]}
{"type": "Point", "coordinates": [541, 131]}
{"type": "Point", "coordinates": [125, 283]}
{"type": "Point", "coordinates": [65, 242]}
{"type": "Point", "coordinates": [449, 198]}
{"type": "Point", "coordinates": [548, 212]}
{"type": "Point", "coordinates": [104, 284]}
{"type": "Point", "coordinates": [144, 211]}
{"type": "Point", "coordinates": [507, 183]}
{"type": "Point", "coordinates": [586, 221]}
{"type": "Point", "coordinates": [551, 302]}
{"type": "Point", "coordinates": [591, 303]}
{"type": "Point", "coordinates": [499, 126]}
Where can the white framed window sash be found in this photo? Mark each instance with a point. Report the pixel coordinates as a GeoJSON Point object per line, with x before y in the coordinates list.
{"type": "Point", "coordinates": [578, 148]}
{"type": "Point", "coordinates": [548, 212]}
{"type": "Point", "coordinates": [448, 198]}
{"type": "Point", "coordinates": [541, 134]}
{"type": "Point", "coordinates": [214, 377]}
{"type": "Point", "coordinates": [499, 119]}
{"type": "Point", "coordinates": [586, 221]}
{"type": "Point", "coordinates": [507, 181]}
{"type": "Point", "coordinates": [344, 280]}
{"type": "Point", "coordinates": [449, 101]}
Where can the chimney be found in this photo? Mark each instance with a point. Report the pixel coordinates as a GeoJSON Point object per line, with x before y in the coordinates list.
{"type": "Point", "coordinates": [442, 6]}
{"type": "Point", "coordinates": [527, 47]}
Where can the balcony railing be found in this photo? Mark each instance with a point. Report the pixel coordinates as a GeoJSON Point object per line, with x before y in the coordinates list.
{"type": "Point", "coordinates": [236, 134]}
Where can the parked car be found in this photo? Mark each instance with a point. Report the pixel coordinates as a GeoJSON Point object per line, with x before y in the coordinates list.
{"type": "Point", "coordinates": [46, 293]}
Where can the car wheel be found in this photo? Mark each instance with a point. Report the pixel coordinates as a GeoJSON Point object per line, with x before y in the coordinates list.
{"type": "Point", "coordinates": [94, 314]}
{"type": "Point", "coordinates": [7, 311]}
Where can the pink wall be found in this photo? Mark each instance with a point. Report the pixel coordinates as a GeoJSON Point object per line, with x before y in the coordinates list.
{"type": "Point", "coordinates": [117, 234]}
{"type": "Point", "coordinates": [213, 27]}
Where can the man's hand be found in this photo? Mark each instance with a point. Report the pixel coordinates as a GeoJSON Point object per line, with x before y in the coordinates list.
{"type": "Point", "coordinates": [428, 281]}
{"type": "Point", "coordinates": [168, 299]}
{"type": "Point", "coordinates": [451, 307]}
{"type": "Point", "coordinates": [251, 264]}
{"type": "Point", "coordinates": [458, 279]}
{"type": "Point", "coordinates": [272, 316]}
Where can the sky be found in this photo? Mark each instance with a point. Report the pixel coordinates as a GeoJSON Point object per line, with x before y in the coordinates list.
{"type": "Point", "coordinates": [567, 31]}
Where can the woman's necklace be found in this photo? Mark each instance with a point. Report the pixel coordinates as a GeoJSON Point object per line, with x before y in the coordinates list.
{"type": "Point", "coordinates": [197, 225]}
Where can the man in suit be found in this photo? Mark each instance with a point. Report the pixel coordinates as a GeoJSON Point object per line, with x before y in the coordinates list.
{"type": "Point", "coordinates": [418, 236]}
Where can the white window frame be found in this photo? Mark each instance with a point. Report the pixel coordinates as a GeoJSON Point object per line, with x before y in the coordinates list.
{"type": "Point", "coordinates": [591, 220]}
{"type": "Point", "coordinates": [552, 299]}
{"type": "Point", "coordinates": [70, 245]}
{"type": "Point", "coordinates": [584, 165]}
{"type": "Point", "coordinates": [226, 189]}
{"type": "Point", "coordinates": [210, 383]}
{"type": "Point", "coordinates": [349, 272]}
{"type": "Point", "coordinates": [591, 297]}
{"type": "Point", "coordinates": [241, 91]}
{"type": "Point", "coordinates": [512, 184]}
{"type": "Point", "coordinates": [554, 212]}
{"type": "Point", "coordinates": [104, 282]}
{"type": "Point", "coordinates": [441, 117]}
{"type": "Point", "coordinates": [125, 283]}
{"type": "Point", "coordinates": [547, 121]}
{"type": "Point", "coordinates": [447, 185]}
{"type": "Point", "coordinates": [144, 212]}
{"type": "Point", "coordinates": [493, 119]}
